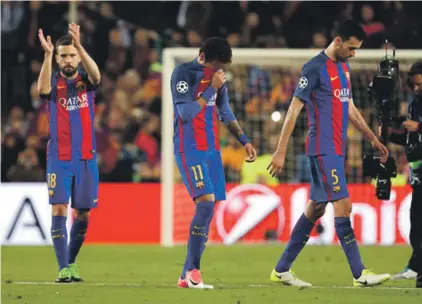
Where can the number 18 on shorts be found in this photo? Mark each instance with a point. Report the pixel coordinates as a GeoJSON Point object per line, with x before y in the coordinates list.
{"type": "Point", "coordinates": [76, 179]}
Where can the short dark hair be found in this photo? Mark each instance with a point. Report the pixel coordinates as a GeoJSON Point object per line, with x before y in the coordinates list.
{"type": "Point", "coordinates": [348, 29]}
{"type": "Point", "coordinates": [415, 69]}
{"type": "Point", "coordinates": [64, 40]}
{"type": "Point", "coordinates": [216, 49]}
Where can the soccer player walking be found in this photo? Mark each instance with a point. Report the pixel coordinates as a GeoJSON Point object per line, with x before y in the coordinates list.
{"type": "Point", "coordinates": [200, 97]}
{"type": "Point", "coordinates": [325, 89]}
{"type": "Point", "coordinates": [72, 170]}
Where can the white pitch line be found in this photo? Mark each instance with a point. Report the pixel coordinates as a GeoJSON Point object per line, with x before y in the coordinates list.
{"type": "Point", "coordinates": [217, 286]}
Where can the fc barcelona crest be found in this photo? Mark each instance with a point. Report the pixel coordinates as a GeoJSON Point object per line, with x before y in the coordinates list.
{"type": "Point", "coordinates": [80, 86]}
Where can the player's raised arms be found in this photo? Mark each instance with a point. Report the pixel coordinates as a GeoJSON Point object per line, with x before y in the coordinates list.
{"type": "Point", "coordinates": [44, 79]}
{"type": "Point", "coordinates": [88, 63]}
{"type": "Point", "coordinates": [72, 170]}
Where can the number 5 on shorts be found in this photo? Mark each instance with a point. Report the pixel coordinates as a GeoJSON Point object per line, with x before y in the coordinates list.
{"type": "Point", "coordinates": [51, 180]}
{"type": "Point", "coordinates": [334, 175]}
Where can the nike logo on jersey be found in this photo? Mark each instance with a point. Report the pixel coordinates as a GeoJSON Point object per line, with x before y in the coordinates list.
{"type": "Point", "coordinates": [334, 78]}
{"type": "Point", "coordinates": [205, 81]}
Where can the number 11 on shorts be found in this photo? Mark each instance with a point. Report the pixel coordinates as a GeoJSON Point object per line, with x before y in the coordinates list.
{"type": "Point", "coordinates": [197, 173]}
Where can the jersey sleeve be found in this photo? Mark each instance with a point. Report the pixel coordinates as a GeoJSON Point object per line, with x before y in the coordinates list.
{"type": "Point", "coordinates": [85, 79]}
{"type": "Point", "coordinates": [53, 84]}
{"type": "Point", "coordinates": [309, 78]}
{"type": "Point", "coordinates": [182, 86]}
{"type": "Point", "coordinates": [225, 113]}
{"type": "Point", "coordinates": [45, 97]}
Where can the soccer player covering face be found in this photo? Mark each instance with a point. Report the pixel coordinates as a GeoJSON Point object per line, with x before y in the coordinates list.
{"type": "Point", "coordinates": [324, 89]}
{"type": "Point", "coordinates": [200, 100]}
{"type": "Point", "coordinates": [72, 170]}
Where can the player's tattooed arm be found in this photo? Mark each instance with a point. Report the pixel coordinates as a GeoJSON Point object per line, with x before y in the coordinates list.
{"type": "Point", "coordinates": [235, 129]}
{"type": "Point", "coordinates": [228, 118]}
{"type": "Point", "coordinates": [88, 63]}
{"type": "Point", "coordinates": [230, 121]}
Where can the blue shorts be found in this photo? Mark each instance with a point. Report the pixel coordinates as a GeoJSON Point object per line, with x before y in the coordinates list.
{"type": "Point", "coordinates": [76, 179]}
{"type": "Point", "coordinates": [328, 180]}
{"type": "Point", "coordinates": [202, 173]}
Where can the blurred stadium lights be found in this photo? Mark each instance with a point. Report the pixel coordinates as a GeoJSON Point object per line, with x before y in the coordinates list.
{"type": "Point", "coordinates": [276, 116]}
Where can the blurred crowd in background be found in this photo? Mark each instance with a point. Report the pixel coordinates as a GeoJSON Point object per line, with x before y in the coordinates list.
{"type": "Point", "coordinates": [126, 40]}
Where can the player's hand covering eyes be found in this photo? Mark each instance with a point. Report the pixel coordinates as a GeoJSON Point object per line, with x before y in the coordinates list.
{"type": "Point", "coordinates": [251, 152]}
{"type": "Point", "coordinates": [218, 79]}
{"type": "Point", "coordinates": [277, 163]}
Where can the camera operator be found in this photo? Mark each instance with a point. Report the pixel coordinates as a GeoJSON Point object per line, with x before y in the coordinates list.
{"type": "Point", "coordinates": [411, 138]}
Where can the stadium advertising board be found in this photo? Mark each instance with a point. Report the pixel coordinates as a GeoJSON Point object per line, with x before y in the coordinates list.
{"type": "Point", "coordinates": [130, 214]}
{"type": "Point", "coordinates": [25, 217]}
{"type": "Point", "coordinates": [126, 213]}
{"type": "Point", "coordinates": [254, 213]}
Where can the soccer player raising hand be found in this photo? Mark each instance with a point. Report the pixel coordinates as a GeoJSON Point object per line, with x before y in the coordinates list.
{"type": "Point", "coordinates": [72, 171]}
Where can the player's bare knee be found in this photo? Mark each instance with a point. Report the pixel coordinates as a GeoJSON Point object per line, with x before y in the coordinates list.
{"type": "Point", "coordinates": [320, 210]}
{"type": "Point", "coordinates": [81, 214]}
{"type": "Point", "coordinates": [59, 210]}
{"type": "Point", "coordinates": [205, 198]}
{"type": "Point", "coordinates": [315, 210]}
{"type": "Point", "coordinates": [342, 208]}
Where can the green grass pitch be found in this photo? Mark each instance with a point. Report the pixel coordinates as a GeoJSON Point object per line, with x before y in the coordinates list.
{"type": "Point", "coordinates": [148, 274]}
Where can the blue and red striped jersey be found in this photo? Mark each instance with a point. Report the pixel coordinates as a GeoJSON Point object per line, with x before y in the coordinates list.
{"type": "Point", "coordinates": [324, 86]}
{"type": "Point", "coordinates": [71, 106]}
{"type": "Point", "coordinates": [201, 132]}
